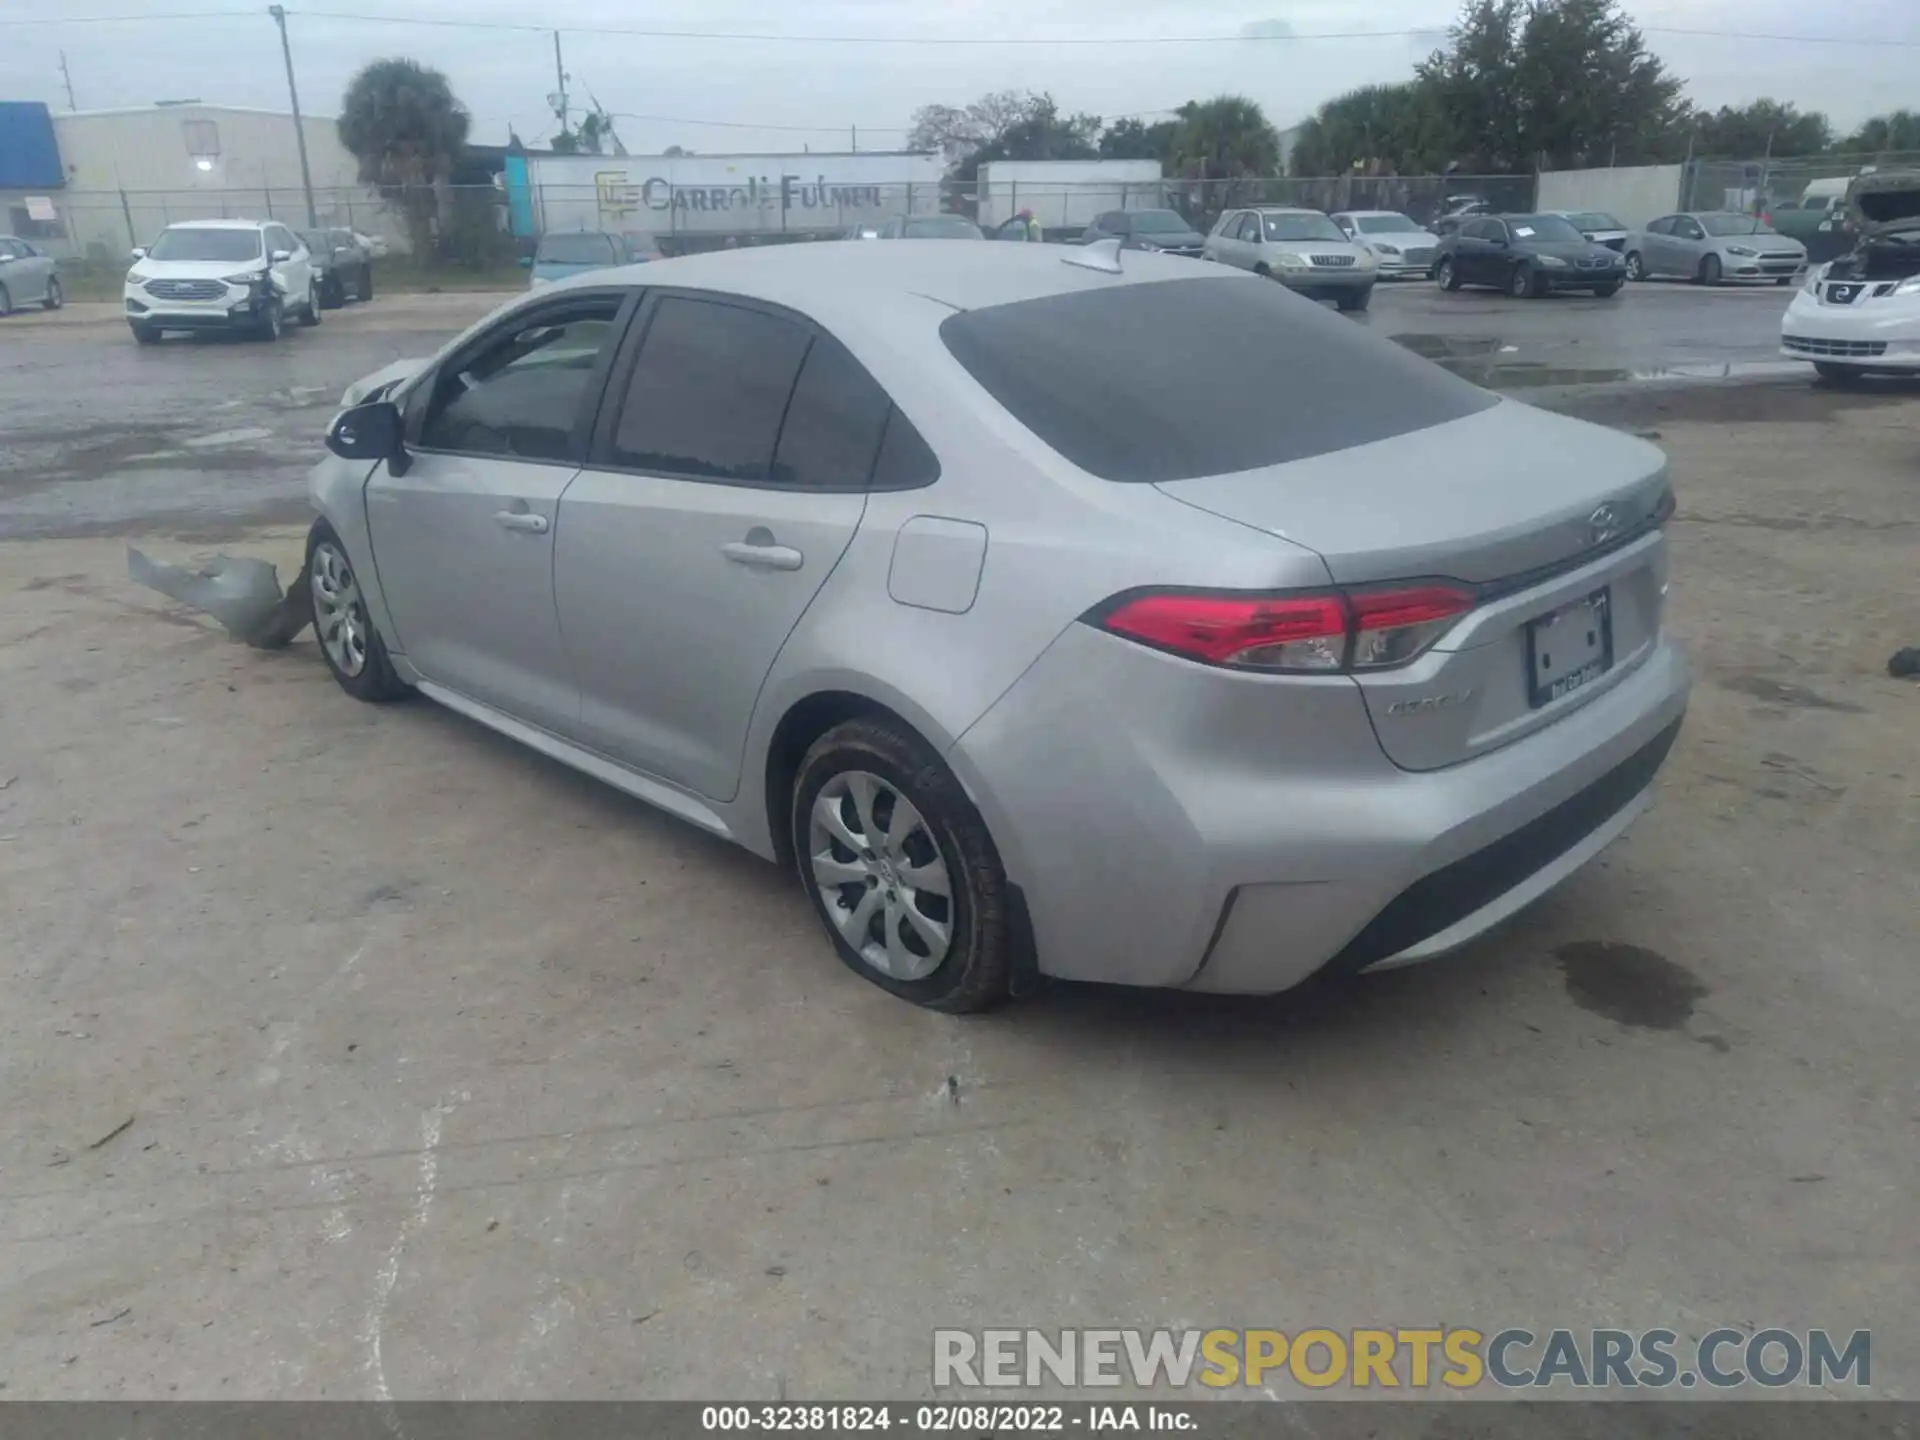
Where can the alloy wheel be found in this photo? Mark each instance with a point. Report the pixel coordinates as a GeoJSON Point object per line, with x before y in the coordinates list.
{"type": "Point", "coordinates": [339, 614]}
{"type": "Point", "coordinates": [881, 876]}
{"type": "Point", "coordinates": [1634, 269]}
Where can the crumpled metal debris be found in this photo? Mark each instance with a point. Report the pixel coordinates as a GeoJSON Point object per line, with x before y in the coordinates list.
{"type": "Point", "coordinates": [242, 593]}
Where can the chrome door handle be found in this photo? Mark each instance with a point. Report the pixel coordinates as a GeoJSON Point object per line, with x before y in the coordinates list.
{"type": "Point", "coordinates": [763, 557]}
{"type": "Point", "coordinates": [521, 520]}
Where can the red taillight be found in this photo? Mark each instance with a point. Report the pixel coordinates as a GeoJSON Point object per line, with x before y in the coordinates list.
{"type": "Point", "coordinates": [1321, 632]}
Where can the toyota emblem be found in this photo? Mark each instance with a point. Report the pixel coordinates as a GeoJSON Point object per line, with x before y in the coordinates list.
{"type": "Point", "coordinates": [1603, 524]}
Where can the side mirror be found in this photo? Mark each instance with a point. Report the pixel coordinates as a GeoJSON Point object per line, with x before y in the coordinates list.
{"type": "Point", "coordinates": [280, 255]}
{"type": "Point", "coordinates": [366, 432]}
{"type": "Point", "coordinates": [139, 252]}
{"type": "Point", "coordinates": [526, 262]}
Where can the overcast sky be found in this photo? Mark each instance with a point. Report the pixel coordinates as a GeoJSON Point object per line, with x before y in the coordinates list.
{"type": "Point", "coordinates": [505, 76]}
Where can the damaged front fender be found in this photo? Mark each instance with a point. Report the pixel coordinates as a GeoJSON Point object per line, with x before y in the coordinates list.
{"type": "Point", "coordinates": [242, 593]}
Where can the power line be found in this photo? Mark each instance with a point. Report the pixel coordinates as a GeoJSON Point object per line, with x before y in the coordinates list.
{"type": "Point", "coordinates": [649, 33]}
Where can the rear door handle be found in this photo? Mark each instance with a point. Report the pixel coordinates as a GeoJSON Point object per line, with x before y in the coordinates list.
{"type": "Point", "coordinates": [763, 556]}
{"type": "Point", "coordinates": [525, 520]}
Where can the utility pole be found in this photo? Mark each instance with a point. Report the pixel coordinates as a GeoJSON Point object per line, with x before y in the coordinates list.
{"type": "Point", "coordinates": [67, 75]}
{"type": "Point", "coordinates": [853, 138]}
{"type": "Point", "coordinates": [560, 77]}
{"type": "Point", "coordinates": [279, 13]}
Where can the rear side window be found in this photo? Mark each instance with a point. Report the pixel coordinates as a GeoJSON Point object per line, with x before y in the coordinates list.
{"type": "Point", "coordinates": [1145, 383]}
{"type": "Point", "coordinates": [833, 425]}
{"type": "Point", "coordinates": [709, 391]}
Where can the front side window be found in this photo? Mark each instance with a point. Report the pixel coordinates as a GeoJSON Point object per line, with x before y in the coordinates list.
{"type": "Point", "coordinates": [189, 242]}
{"type": "Point", "coordinates": [708, 391]}
{"type": "Point", "coordinates": [1688, 230]}
{"type": "Point", "coordinates": [1249, 227]}
{"type": "Point", "coordinates": [1662, 226]}
{"type": "Point", "coordinates": [521, 394]}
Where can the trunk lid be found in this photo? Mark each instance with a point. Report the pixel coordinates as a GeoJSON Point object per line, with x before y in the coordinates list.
{"type": "Point", "coordinates": [1538, 513]}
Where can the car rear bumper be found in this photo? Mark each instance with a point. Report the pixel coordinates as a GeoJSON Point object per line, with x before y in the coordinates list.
{"type": "Point", "coordinates": [1170, 843]}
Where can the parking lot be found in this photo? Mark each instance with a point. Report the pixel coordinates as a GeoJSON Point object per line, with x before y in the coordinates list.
{"type": "Point", "coordinates": [358, 1053]}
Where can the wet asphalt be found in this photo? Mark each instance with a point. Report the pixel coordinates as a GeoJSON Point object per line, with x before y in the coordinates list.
{"type": "Point", "coordinates": [202, 436]}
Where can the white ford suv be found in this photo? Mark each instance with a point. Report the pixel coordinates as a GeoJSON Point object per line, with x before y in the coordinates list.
{"type": "Point", "coordinates": [236, 275]}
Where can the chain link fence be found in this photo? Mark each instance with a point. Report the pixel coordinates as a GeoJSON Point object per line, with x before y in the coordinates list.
{"type": "Point", "coordinates": [483, 225]}
{"type": "Point", "coordinates": [1753, 184]}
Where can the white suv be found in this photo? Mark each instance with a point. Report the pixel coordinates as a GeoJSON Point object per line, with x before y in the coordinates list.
{"type": "Point", "coordinates": [245, 275]}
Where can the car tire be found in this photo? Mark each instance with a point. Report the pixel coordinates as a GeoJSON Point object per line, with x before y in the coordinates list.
{"type": "Point", "coordinates": [56, 297]}
{"type": "Point", "coordinates": [1607, 292]}
{"type": "Point", "coordinates": [6, 301]}
{"type": "Point", "coordinates": [1838, 374]}
{"type": "Point", "coordinates": [1636, 268]}
{"type": "Point", "coordinates": [1352, 304]}
{"type": "Point", "coordinates": [349, 643]}
{"type": "Point", "coordinates": [272, 321]}
{"type": "Point", "coordinates": [366, 283]}
{"type": "Point", "coordinates": [1710, 270]}
{"type": "Point", "coordinates": [1524, 285]}
{"type": "Point", "coordinates": [332, 294]}
{"type": "Point", "coordinates": [1784, 280]}
{"type": "Point", "coordinates": [145, 334]}
{"type": "Point", "coordinates": [1445, 277]}
{"type": "Point", "coordinates": [310, 316]}
{"type": "Point", "coordinates": [954, 952]}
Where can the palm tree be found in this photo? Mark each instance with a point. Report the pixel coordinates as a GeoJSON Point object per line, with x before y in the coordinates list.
{"type": "Point", "coordinates": [1225, 139]}
{"type": "Point", "coordinates": [400, 120]}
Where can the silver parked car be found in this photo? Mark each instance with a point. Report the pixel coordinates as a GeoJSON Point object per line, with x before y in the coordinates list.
{"type": "Point", "coordinates": [1302, 249]}
{"type": "Point", "coordinates": [1033, 649]}
{"type": "Point", "coordinates": [1595, 225]}
{"type": "Point", "coordinates": [1402, 247]}
{"type": "Point", "coordinates": [1710, 246]}
{"type": "Point", "coordinates": [28, 276]}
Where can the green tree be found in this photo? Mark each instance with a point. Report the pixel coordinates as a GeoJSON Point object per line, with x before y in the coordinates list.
{"type": "Point", "coordinates": [1384, 129]}
{"type": "Point", "coordinates": [399, 119]}
{"type": "Point", "coordinates": [1590, 91]}
{"type": "Point", "coordinates": [1134, 140]}
{"type": "Point", "coordinates": [1759, 127]}
{"type": "Point", "coordinates": [1885, 134]}
{"type": "Point", "coordinates": [1472, 82]}
{"type": "Point", "coordinates": [1225, 138]}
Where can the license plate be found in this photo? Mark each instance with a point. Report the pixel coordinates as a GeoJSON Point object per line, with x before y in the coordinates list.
{"type": "Point", "coordinates": [1569, 648]}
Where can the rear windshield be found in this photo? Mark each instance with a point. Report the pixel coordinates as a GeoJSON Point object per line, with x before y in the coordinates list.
{"type": "Point", "coordinates": [577, 249]}
{"type": "Point", "coordinates": [1158, 222]}
{"type": "Point", "coordinates": [942, 227]}
{"type": "Point", "coordinates": [187, 243]}
{"type": "Point", "coordinates": [1168, 381]}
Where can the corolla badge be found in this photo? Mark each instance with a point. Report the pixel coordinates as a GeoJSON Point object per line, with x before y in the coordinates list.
{"type": "Point", "coordinates": [1604, 523]}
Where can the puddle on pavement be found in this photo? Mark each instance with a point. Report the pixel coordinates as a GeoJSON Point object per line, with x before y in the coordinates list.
{"type": "Point", "coordinates": [1485, 361]}
{"type": "Point", "coordinates": [1629, 983]}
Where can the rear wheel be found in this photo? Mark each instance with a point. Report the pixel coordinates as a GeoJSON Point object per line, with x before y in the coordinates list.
{"type": "Point", "coordinates": [349, 644]}
{"type": "Point", "coordinates": [1710, 270]}
{"type": "Point", "coordinates": [1635, 270]}
{"type": "Point", "coordinates": [1445, 277]}
{"type": "Point", "coordinates": [333, 294]}
{"type": "Point", "coordinates": [55, 296]}
{"type": "Point", "coordinates": [900, 868]}
{"type": "Point", "coordinates": [6, 301]}
{"type": "Point", "coordinates": [1355, 301]}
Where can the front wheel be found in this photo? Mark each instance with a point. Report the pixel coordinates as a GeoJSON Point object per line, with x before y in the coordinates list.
{"type": "Point", "coordinates": [366, 283]}
{"type": "Point", "coordinates": [145, 334]}
{"type": "Point", "coordinates": [6, 301]}
{"type": "Point", "coordinates": [900, 868]}
{"type": "Point", "coordinates": [1445, 276]}
{"type": "Point", "coordinates": [55, 296]}
{"type": "Point", "coordinates": [1710, 270]}
{"type": "Point", "coordinates": [1635, 269]}
{"type": "Point", "coordinates": [272, 321]}
{"type": "Point", "coordinates": [310, 316]}
{"type": "Point", "coordinates": [1355, 302]}
{"type": "Point", "coordinates": [349, 644]}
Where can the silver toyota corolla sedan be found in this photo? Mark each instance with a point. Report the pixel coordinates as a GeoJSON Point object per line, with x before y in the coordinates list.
{"type": "Point", "coordinates": [1108, 616]}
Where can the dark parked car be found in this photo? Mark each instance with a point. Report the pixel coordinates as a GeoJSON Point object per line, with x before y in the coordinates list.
{"type": "Point", "coordinates": [919, 227]}
{"type": "Point", "coordinates": [1526, 255]}
{"type": "Point", "coordinates": [342, 266]}
{"type": "Point", "coordinates": [1163, 230]}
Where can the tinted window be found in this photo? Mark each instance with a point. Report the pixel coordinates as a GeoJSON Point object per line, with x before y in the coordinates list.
{"type": "Point", "coordinates": [1166, 381]}
{"type": "Point", "coordinates": [586, 249]}
{"type": "Point", "coordinates": [709, 390]}
{"type": "Point", "coordinates": [1249, 227]}
{"type": "Point", "coordinates": [833, 425]}
{"type": "Point", "coordinates": [1159, 222]}
{"type": "Point", "coordinates": [905, 461]}
{"type": "Point", "coordinates": [520, 395]}
{"type": "Point", "coordinates": [1662, 226]}
{"type": "Point", "coordinates": [942, 227]}
{"type": "Point", "coordinates": [1479, 230]}
{"type": "Point", "coordinates": [282, 239]}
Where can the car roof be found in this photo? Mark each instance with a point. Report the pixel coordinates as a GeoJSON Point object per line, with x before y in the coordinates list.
{"type": "Point", "coordinates": [1358, 213]}
{"type": "Point", "coordinates": [1293, 210]}
{"type": "Point", "coordinates": [223, 224]}
{"type": "Point", "coordinates": [837, 281]}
